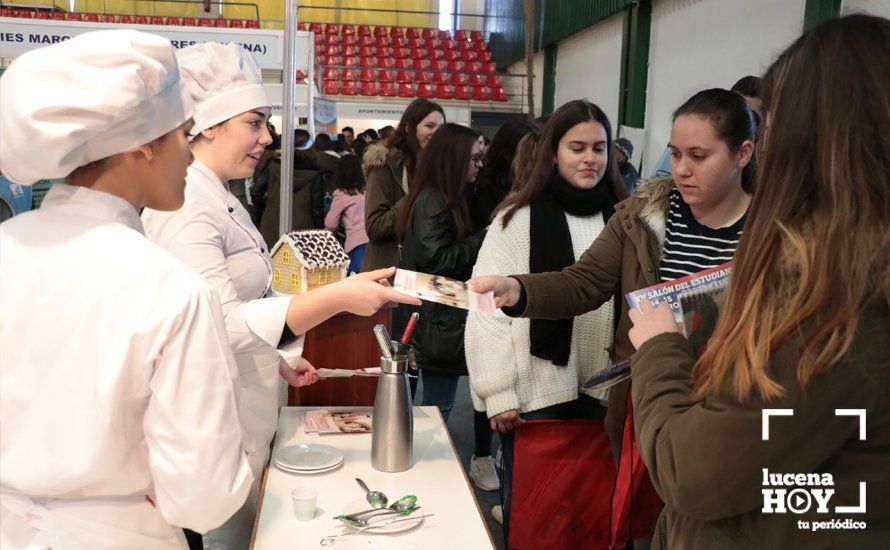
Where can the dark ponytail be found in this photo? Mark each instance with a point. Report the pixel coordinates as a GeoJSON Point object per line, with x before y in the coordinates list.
{"type": "Point", "coordinates": [733, 120]}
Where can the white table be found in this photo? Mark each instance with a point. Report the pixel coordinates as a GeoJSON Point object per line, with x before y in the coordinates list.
{"type": "Point", "coordinates": [437, 479]}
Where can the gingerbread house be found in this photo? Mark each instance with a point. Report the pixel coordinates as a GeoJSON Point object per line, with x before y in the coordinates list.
{"type": "Point", "coordinates": [303, 260]}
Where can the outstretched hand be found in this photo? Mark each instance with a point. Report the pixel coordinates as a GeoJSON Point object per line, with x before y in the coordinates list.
{"type": "Point", "coordinates": [506, 289]}
{"type": "Point", "coordinates": [368, 292]}
{"type": "Point", "coordinates": [303, 374]}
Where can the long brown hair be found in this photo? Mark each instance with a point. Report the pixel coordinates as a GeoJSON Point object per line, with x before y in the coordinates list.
{"type": "Point", "coordinates": [405, 138]}
{"type": "Point", "coordinates": [814, 251]}
{"type": "Point", "coordinates": [560, 122]}
{"type": "Point", "coordinates": [444, 168]}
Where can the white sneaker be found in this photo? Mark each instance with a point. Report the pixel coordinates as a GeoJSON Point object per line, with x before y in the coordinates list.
{"type": "Point", "coordinates": [483, 473]}
{"type": "Point", "coordinates": [497, 513]}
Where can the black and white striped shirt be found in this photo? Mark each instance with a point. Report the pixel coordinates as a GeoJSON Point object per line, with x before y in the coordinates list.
{"type": "Point", "coordinates": [690, 247]}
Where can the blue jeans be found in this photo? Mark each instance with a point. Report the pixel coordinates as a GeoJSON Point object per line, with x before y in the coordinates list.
{"type": "Point", "coordinates": [356, 256]}
{"type": "Point", "coordinates": [439, 390]}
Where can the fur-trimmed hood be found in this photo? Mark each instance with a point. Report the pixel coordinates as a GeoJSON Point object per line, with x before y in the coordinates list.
{"type": "Point", "coordinates": [650, 203]}
{"type": "Point", "coordinates": [377, 155]}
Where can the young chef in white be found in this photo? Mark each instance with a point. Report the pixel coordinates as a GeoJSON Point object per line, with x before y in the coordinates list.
{"type": "Point", "coordinates": [117, 402]}
{"type": "Point", "coordinates": [213, 233]}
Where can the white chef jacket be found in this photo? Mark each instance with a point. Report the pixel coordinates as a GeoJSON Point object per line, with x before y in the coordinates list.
{"type": "Point", "coordinates": [214, 234]}
{"type": "Point", "coordinates": [117, 401]}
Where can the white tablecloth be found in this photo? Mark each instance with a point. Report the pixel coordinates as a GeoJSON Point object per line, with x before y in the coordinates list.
{"type": "Point", "coordinates": [436, 478]}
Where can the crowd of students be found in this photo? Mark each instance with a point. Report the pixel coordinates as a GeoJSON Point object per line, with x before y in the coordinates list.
{"type": "Point", "coordinates": [167, 354]}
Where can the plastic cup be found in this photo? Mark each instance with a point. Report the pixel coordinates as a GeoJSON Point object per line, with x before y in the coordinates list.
{"type": "Point", "coordinates": [303, 499]}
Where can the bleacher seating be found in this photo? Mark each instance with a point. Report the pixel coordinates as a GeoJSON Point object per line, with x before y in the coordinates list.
{"type": "Point", "coordinates": [359, 59]}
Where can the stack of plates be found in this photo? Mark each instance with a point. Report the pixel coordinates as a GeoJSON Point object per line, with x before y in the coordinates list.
{"type": "Point", "coordinates": [307, 459]}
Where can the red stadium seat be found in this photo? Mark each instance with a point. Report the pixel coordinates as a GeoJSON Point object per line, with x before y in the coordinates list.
{"type": "Point", "coordinates": [427, 33]}
{"type": "Point", "coordinates": [447, 44]}
{"type": "Point", "coordinates": [347, 74]}
{"type": "Point", "coordinates": [381, 41]}
{"type": "Point", "coordinates": [6, 12]}
{"type": "Point", "coordinates": [367, 61]}
{"type": "Point", "coordinates": [419, 63]}
{"type": "Point", "coordinates": [349, 61]}
{"type": "Point", "coordinates": [332, 28]}
{"type": "Point", "coordinates": [385, 76]}
{"type": "Point", "coordinates": [432, 44]}
{"type": "Point", "coordinates": [221, 23]}
{"type": "Point", "coordinates": [302, 27]}
{"type": "Point", "coordinates": [349, 87]}
{"type": "Point", "coordinates": [252, 24]}
{"type": "Point", "coordinates": [455, 66]}
{"type": "Point", "coordinates": [406, 89]}
{"type": "Point", "coordinates": [331, 87]}
{"type": "Point", "coordinates": [422, 77]}
{"type": "Point", "coordinates": [418, 53]}
{"type": "Point", "coordinates": [425, 90]}
{"type": "Point", "coordinates": [329, 73]}
{"type": "Point", "coordinates": [463, 45]}
{"type": "Point", "coordinates": [177, 22]}
{"type": "Point", "coordinates": [435, 54]}
{"type": "Point", "coordinates": [451, 55]}
{"type": "Point", "coordinates": [443, 35]}
{"type": "Point", "coordinates": [480, 93]}
{"type": "Point", "coordinates": [415, 43]}
{"type": "Point", "coordinates": [316, 28]}
{"type": "Point", "coordinates": [441, 78]}
{"type": "Point", "coordinates": [348, 50]}
{"type": "Point", "coordinates": [385, 62]}
{"type": "Point", "coordinates": [236, 24]}
{"type": "Point", "coordinates": [443, 91]}
{"type": "Point", "coordinates": [403, 63]}
{"type": "Point", "coordinates": [477, 80]}
{"type": "Point", "coordinates": [57, 16]}
{"type": "Point", "coordinates": [108, 18]}
{"type": "Point", "coordinates": [497, 94]}
{"type": "Point", "coordinates": [493, 81]}
{"type": "Point", "coordinates": [75, 16]}
{"type": "Point", "coordinates": [156, 20]}
{"type": "Point", "coordinates": [460, 36]}
{"type": "Point", "coordinates": [399, 42]}
{"type": "Point", "coordinates": [367, 75]}
{"type": "Point", "coordinates": [364, 30]}
{"type": "Point", "coordinates": [396, 32]}
{"type": "Point", "coordinates": [369, 88]}
{"type": "Point", "coordinates": [365, 41]}
{"type": "Point", "coordinates": [205, 22]}
{"type": "Point", "coordinates": [459, 79]}
{"type": "Point", "coordinates": [25, 14]}
{"type": "Point", "coordinates": [403, 76]}
{"type": "Point", "coordinates": [366, 51]}
{"type": "Point", "coordinates": [381, 31]}
{"type": "Point", "coordinates": [411, 32]}
{"type": "Point", "coordinates": [471, 67]}
{"type": "Point", "coordinates": [89, 17]}
{"type": "Point", "coordinates": [399, 53]}
{"type": "Point", "coordinates": [437, 65]}
{"type": "Point", "coordinates": [483, 56]}
{"type": "Point", "coordinates": [387, 89]}
{"type": "Point", "coordinates": [468, 55]}
{"type": "Point", "coordinates": [332, 39]}
{"type": "Point", "coordinates": [476, 36]}
{"type": "Point", "coordinates": [462, 93]}
{"type": "Point", "coordinates": [479, 46]}
{"type": "Point", "coordinates": [348, 39]}
{"type": "Point", "coordinates": [332, 50]}
{"type": "Point", "coordinates": [348, 30]}
{"type": "Point", "coordinates": [488, 67]}
{"type": "Point", "coordinates": [41, 14]}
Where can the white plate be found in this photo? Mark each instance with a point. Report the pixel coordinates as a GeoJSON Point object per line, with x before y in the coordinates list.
{"type": "Point", "coordinates": [308, 457]}
{"type": "Point", "coordinates": [306, 472]}
{"type": "Point", "coordinates": [375, 543]}
{"type": "Point", "coordinates": [359, 505]}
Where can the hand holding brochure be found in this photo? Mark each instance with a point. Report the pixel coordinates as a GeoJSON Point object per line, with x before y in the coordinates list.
{"type": "Point", "coordinates": [695, 301]}
{"type": "Point", "coordinates": [442, 290]}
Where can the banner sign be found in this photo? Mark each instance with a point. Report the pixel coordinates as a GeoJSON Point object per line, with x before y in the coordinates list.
{"type": "Point", "coordinates": [18, 35]}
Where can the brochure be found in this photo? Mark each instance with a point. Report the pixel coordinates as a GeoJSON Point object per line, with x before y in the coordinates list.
{"type": "Point", "coordinates": [325, 422]}
{"type": "Point", "coordinates": [442, 290]}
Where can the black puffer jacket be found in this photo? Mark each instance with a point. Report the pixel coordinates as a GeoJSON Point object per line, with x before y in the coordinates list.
{"type": "Point", "coordinates": [431, 245]}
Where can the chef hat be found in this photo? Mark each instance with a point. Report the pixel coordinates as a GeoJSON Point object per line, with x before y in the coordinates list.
{"type": "Point", "coordinates": [224, 81]}
{"type": "Point", "coordinates": [85, 99]}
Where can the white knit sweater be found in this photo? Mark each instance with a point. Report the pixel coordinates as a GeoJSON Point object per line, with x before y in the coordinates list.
{"type": "Point", "coordinates": [503, 374]}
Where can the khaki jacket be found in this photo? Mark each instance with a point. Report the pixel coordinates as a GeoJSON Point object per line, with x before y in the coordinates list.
{"type": "Point", "coordinates": [384, 202]}
{"type": "Point", "coordinates": [622, 259]}
{"type": "Point", "coordinates": [706, 459]}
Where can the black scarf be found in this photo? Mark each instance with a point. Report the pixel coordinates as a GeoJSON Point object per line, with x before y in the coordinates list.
{"type": "Point", "coordinates": [551, 250]}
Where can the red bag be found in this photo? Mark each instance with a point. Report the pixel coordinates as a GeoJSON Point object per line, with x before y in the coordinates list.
{"type": "Point", "coordinates": [563, 474]}
{"type": "Point", "coordinates": [635, 504]}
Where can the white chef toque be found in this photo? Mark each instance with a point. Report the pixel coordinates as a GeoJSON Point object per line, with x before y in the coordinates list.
{"type": "Point", "coordinates": [224, 81]}
{"type": "Point", "coordinates": [85, 99]}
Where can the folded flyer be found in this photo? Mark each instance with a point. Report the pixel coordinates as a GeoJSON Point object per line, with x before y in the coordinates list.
{"type": "Point", "coordinates": [325, 422]}
{"type": "Point", "coordinates": [442, 290]}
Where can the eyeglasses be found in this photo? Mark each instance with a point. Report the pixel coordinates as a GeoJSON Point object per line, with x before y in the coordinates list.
{"type": "Point", "coordinates": [476, 159]}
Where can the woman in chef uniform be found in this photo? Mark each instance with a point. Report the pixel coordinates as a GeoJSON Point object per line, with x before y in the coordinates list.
{"type": "Point", "coordinates": [117, 405]}
{"type": "Point", "coordinates": [214, 234]}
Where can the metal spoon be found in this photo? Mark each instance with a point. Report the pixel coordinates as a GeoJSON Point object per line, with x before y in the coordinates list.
{"type": "Point", "coordinates": [406, 504]}
{"type": "Point", "coordinates": [375, 498]}
{"type": "Point", "coordinates": [331, 539]}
